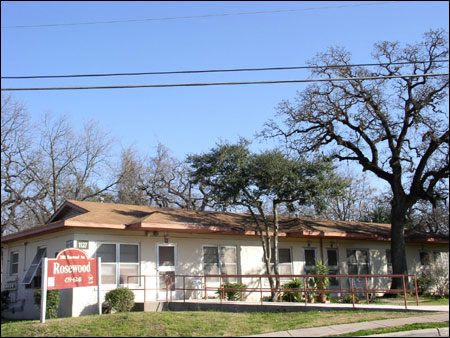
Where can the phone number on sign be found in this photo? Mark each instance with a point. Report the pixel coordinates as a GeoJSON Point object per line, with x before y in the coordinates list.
{"type": "Point", "coordinates": [73, 279]}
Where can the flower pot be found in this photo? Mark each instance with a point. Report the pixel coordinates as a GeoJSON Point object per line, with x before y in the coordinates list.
{"type": "Point", "coordinates": [322, 298]}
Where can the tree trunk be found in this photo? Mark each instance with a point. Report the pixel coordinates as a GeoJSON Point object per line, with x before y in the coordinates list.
{"type": "Point", "coordinates": [275, 252]}
{"type": "Point", "coordinates": [398, 252]}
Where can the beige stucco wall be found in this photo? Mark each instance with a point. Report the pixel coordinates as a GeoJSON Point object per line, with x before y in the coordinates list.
{"type": "Point", "coordinates": [188, 261]}
{"type": "Point", "coordinates": [24, 306]}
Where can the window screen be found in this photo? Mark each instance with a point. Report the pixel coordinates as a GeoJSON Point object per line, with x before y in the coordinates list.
{"type": "Point", "coordinates": [128, 253]}
{"type": "Point", "coordinates": [120, 263]}
{"type": "Point", "coordinates": [332, 257]}
{"type": "Point", "coordinates": [14, 263]}
{"type": "Point", "coordinates": [35, 264]}
{"type": "Point", "coordinates": [284, 260]}
{"type": "Point", "coordinates": [358, 262]}
{"type": "Point", "coordinates": [107, 252]}
{"type": "Point", "coordinates": [211, 260]}
{"type": "Point", "coordinates": [388, 260]}
{"type": "Point", "coordinates": [228, 260]}
{"type": "Point", "coordinates": [310, 257]}
{"type": "Point", "coordinates": [166, 256]}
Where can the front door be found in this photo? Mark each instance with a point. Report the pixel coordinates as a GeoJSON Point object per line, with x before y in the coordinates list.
{"type": "Point", "coordinates": [165, 271]}
{"type": "Point", "coordinates": [333, 266]}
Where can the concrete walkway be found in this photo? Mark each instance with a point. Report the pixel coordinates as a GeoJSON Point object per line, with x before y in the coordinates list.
{"type": "Point", "coordinates": [324, 331]}
{"type": "Point", "coordinates": [442, 332]}
{"type": "Point", "coordinates": [236, 306]}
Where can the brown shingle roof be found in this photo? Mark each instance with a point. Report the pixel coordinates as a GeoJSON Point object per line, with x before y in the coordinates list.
{"type": "Point", "coordinates": [138, 217]}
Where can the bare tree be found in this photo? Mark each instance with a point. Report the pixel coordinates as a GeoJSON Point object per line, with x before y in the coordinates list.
{"type": "Point", "coordinates": [16, 182]}
{"type": "Point", "coordinates": [431, 219]}
{"type": "Point", "coordinates": [71, 166]}
{"type": "Point", "coordinates": [354, 203]}
{"type": "Point", "coordinates": [396, 128]}
{"type": "Point", "coordinates": [43, 165]}
{"type": "Point", "coordinates": [130, 186]}
{"type": "Point", "coordinates": [167, 183]}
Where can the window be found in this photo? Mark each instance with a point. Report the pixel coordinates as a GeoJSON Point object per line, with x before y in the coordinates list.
{"type": "Point", "coordinates": [220, 260]}
{"type": "Point", "coordinates": [119, 263]}
{"type": "Point", "coordinates": [32, 277]}
{"type": "Point", "coordinates": [358, 262]}
{"type": "Point", "coordinates": [389, 260]}
{"type": "Point", "coordinates": [310, 260]}
{"type": "Point", "coordinates": [333, 266]}
{"type": "Point", "coordinates": [424, 258]}
{"type": "Point", "coordinates": [14, 263]}
{"type": "Point", "coordinates": [129, 263]}
{"type": "Point", "coordinates": [284, 261]}
{"type": "Point", "coordinates": [166, 256]}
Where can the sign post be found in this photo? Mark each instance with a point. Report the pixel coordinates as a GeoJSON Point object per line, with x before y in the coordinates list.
{"type": "Point", "coordinates": [44, 289]}
{"type": "Point", "coordinates": [70, 269]}
{"type": "Point", "coordinates": [99, 276]}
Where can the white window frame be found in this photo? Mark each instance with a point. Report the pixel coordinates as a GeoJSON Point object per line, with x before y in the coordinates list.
{"type": "Point", "coordinates": [167, 268]}
{"type": "Point", "coordinates": [38, 268]}
{"type": "Point", "coordinates": [290, 264]}
{"type": "Point", "coordinates": [334, 267]}
{"type": "Point", "coordinates": [117, 263]}
{"type": "Point", "coordinates": [388, 258]}
{"type": "Point", "coordinates": [218, 246]}
{"type": "Point", "coordinates": [175, 258]}
{"type": "Point", "coordinates": [358, 264]}
{"type": "Point", "coordinates": [11, 263]}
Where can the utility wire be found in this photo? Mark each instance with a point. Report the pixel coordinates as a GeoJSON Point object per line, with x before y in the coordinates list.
{"type": "Point", "coordinates": [198, 16]}
{"type": "Point", "coordinates": [204, 84]}
{"type": "Point", "coordinates": [214, 70]}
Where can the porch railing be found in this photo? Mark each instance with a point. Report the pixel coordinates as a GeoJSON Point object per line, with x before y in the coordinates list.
{"type": "Point", "coordinates": [356, 285]}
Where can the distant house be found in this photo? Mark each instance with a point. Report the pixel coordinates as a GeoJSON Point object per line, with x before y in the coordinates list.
{"type": "Point", "coordinates": [161, 243]}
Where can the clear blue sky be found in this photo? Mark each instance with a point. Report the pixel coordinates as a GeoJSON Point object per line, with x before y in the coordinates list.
{"type": "Point", "coordinates": [188, 120]}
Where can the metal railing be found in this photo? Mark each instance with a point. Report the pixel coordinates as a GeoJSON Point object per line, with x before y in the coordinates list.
{"type": "Point", "coordinates": [353, 285]}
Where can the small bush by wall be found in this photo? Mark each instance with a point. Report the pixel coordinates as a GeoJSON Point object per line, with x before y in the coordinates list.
{"type": "Point", "coordinates": [53, 299]}
{"type": "Point", "coordinates": [119, 300]}
{"type": "Point", "coordinates": [438, 274]}
{"type": "Point", "coordinates": [293, 296]}
{"type": "Point", "coordinates": [234, 291]}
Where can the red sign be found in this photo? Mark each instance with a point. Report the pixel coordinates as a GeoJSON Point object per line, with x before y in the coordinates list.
{"type": "Point", "coordinates": [70, 269]}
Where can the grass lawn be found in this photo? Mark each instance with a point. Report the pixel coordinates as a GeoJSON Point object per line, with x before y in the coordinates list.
{"type": "Point", "coordinates": [199, 324]}
{"type": "Point", "coordinates": [408, 327]}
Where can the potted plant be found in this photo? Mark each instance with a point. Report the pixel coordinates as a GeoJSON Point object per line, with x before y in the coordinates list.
{"type": "Point", "coordinates": [311, 295]}
{"type": "Point", "coordinates": [321, 281]}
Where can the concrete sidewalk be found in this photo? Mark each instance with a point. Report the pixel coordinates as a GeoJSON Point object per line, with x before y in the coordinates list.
{"type": "Point", "coordinates": [239, 306]}
{"type": "Point", "coordinates": [442, 332]}
{"type": "Point", "coordinates": [324, 331]}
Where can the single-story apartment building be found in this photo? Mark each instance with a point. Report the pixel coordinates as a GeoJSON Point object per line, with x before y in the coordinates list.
{"type": "Point", "coordinates": [162, 243]}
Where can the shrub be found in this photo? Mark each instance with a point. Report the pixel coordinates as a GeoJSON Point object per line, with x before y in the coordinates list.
{"type": "Point", "coordinates": [292, 296]}
{"type": "Point", "coordinates": [53, 298]}
{"type": "Point", "coordinates": [119, 300]}
{"type": "Point", "coordinates": [321, 282]}
{"type": "Point", "coordinates": [423, 282]}
{"type": "Point", "coordinates": [5, 300]}
{"type": "Point", "coordinates": [439, 278]}
{"type": "Point", "coordinates": [348, 299]}
{"type": "Point", "coordinates": [235, 293]}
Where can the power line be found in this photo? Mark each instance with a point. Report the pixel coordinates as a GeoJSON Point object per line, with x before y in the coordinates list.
{"type": "Point", "coordinates": [214, 70]}
{"type": "Point", "coordinates": [198, 16]}
{"type": "Point", "coordinates": [204, 84]}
